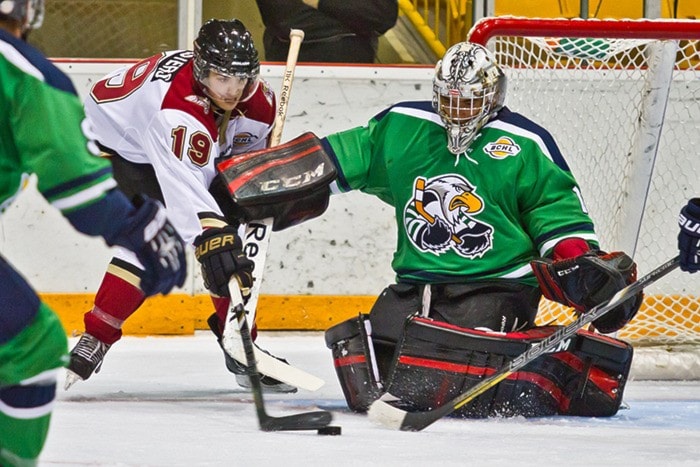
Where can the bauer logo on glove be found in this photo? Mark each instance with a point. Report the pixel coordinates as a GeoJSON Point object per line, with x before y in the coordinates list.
{"type": "Point", "coordinates": [220, 252]}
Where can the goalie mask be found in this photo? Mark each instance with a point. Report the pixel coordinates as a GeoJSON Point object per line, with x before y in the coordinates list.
{"type": "Point", "coordinates": [468, 89]}
{"type": "Point", "coordinates": [30, 13]}
{"type": "Point", "coordinates": [226, 62]}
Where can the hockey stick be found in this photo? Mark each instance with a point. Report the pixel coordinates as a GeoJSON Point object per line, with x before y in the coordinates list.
{"type": "Point", "coordinates": [383, 412]}
{"type": "Point", "coordinates": [257, 237]}
{"type": "Point", "coordinates": [302, 421]}
{"type": "Point", "coordinates": [257, 241]}
{"type": "Point", "coordinates": [418, 202]}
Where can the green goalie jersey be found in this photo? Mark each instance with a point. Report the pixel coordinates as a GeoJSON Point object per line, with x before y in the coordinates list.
{"type": "Point", "coordinates": [480, 216]}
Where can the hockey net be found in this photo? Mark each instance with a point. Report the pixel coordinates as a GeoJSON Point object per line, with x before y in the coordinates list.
{"type": "Point", "coordinates": [622, 100]}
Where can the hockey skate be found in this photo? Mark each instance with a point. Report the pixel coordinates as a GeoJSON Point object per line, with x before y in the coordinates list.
{"type": "Point", "coordinates": [85, 359]}
{"type": "Point", "coordinates": [241, 371]}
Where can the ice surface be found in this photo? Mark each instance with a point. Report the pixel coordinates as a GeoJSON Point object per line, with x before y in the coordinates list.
{"type": "Point", "coordinates": [169, 401]}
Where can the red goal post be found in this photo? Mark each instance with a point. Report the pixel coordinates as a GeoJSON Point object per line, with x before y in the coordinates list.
{"type": "Point", "coordinates": [622, 99]}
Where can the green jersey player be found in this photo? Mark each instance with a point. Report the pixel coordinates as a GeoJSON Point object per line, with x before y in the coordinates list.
{"type": "Point", "coordinates": [42, 132]}
{"type": "Point", "coordinates": [489, 217]}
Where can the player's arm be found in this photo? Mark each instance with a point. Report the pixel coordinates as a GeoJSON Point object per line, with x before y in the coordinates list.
{"type": "Point", "coordinates": [81, 186]}
{"type": "Point", "coordinates": [572, 270]}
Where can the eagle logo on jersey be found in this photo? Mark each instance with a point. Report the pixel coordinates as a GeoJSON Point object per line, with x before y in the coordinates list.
{"type": "Point", "coordinates": [502, 148]}
{"type": "Point", "coordinates": [441, 217]}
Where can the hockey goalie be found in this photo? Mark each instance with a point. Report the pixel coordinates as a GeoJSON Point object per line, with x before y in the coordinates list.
{"type": "Point", "coordinates": [489, 220]}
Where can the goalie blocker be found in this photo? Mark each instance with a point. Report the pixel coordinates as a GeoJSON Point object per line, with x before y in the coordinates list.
{"type": "Point", "coordinates": [435, 361]}
{"type": "Point", "coordinates": [289, 183]}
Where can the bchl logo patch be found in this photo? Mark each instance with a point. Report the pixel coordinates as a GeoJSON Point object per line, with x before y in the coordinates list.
{"type": "Point", "coordinates": [244, 138]}
{"type": "Point", "coordinates": [502, 148]}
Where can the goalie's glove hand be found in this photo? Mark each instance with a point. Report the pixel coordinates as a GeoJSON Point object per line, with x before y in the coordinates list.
{"type": "Point", "coordinates": [689, 236]}
{"type": "Point", "coordinates": [220, 252]}
{"type": "Point", "coordinates": [157, 245]}
{"type": "Point", "coordinates": [588, 280]}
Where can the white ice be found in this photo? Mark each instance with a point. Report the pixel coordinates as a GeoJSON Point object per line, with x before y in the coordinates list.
{"type": "Point", "coordinates": [169, 401]}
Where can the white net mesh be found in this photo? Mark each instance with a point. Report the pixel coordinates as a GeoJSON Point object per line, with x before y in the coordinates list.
{"type": "Point", "coordinates": [604, 100]}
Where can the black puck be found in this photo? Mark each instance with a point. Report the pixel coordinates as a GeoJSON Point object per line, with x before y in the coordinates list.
{"type": "Point", "coordinates": [330, 431]}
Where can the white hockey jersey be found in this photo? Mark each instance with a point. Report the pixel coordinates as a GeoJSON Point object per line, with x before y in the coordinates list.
{"type": "Point", "coordinates": [155, 113]}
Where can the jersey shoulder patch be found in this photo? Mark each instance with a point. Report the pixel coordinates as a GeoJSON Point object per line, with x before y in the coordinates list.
{"type": "Point", "coordinates": [518, 124]}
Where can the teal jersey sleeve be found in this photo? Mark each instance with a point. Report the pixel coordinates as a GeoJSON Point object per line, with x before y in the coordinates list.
{"type": "Point", "coordinates": [44, 132]}
{"type": "Point", "coordinates": [361, 160]}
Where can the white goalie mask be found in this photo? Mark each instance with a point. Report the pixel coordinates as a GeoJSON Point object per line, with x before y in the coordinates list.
{"type": "Point", "coordinates": [468, 89]}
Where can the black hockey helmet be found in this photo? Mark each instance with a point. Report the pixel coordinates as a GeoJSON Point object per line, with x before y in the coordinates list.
{"type": "Point", "coordinates": [30, 13]}
{"type": "Point", "coordinates": [226, 47]}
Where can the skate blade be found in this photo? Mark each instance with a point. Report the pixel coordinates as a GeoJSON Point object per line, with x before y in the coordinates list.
{"type": "Point", "coordinates": [71, 379]}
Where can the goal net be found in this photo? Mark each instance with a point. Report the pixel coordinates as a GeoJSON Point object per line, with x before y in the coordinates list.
{"type": "Point", "coordinates": [622, 100]}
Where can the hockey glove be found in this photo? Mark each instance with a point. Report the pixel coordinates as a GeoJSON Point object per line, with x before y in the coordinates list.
{"type": "Point", "coordinates": [157, 245]}
{"type": "Point", "coordinates": [689, 236]}
{"type": "Point", "coordinates": [588, 280]}
{"type": "Point", "coordinates": [220, 252]}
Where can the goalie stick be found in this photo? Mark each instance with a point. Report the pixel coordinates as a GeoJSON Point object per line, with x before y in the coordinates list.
{"type": "Point", "coordinates": [257, 240]}
{"type": "Point", "coordinates": [296, 422]}
{"type": "Point", "coordinates": [381, 411]}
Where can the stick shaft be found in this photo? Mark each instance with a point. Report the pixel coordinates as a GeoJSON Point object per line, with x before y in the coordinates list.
{"type": "Point", "coordinates": [296, 36]}
{"type": "Point", "coordinates": [258, 233]}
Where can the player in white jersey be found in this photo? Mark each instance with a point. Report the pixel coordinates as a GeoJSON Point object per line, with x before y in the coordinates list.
{"type": "Point", "coordinates": [165, 122]}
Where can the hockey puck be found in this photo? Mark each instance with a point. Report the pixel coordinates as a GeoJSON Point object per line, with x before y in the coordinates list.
{"type": "Point", "coordinates": [330, 431]}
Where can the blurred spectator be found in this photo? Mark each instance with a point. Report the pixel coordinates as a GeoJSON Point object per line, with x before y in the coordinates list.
{"type": "Point", "coordinates": [335, 30]}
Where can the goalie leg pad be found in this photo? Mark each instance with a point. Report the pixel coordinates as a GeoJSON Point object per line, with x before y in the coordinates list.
{"type": "Point", "coordinates": [355, 363]}
{"type": "Point", "coordinates": [437, 361]}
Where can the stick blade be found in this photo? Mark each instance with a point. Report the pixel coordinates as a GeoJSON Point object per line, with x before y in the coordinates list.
{"type": "Point", "coordinates": [298, 422]}
{"type": "Point", "coordinates": [269, 365]}
{"type": "Point", "coordinates": [385, 414]}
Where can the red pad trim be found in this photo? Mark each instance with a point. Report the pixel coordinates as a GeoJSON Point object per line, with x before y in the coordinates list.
{"type": "Point", "coordinates": [235, 160]}
{"type": "Point", "coordinates": [543, 382]}
{"type": "Point", "coordinates": [243, 179]}
{"type": "Point", "coordinates": [351, 360]}
{"type": "Point", "coordinates": [603, 381]}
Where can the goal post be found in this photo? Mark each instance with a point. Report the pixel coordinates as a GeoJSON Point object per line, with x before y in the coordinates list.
{"type": "Point", "coordinates": [622, 100]}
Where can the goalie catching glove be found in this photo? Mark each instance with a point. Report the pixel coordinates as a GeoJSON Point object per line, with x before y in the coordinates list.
{"type": "Point", "coordinates": [588, 280]}
{"type": "Point", "coordinates": [220, 252]}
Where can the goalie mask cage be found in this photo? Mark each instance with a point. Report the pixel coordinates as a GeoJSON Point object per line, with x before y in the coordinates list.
{"type": "Point", "coordinates": [622, 100]}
